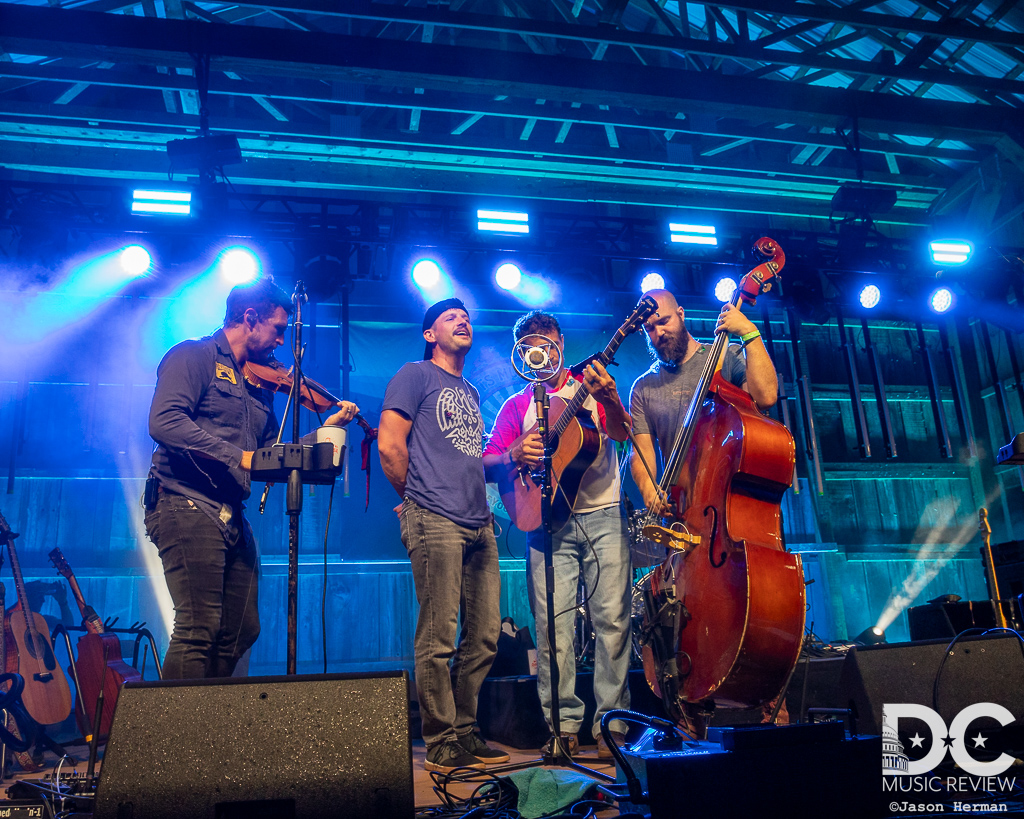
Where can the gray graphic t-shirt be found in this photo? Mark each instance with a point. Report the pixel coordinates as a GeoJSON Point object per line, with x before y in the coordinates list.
{"type": "Point", "coordinates": [660, 396]}
{"type": "Point", "coordinates": [446, 471]}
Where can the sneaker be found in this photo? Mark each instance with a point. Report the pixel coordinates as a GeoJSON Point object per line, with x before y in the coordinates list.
{"type": "Point", "coordinates": [603, 751]}
{"type": "Point", "coordinates": [446, 756]}
{"type": "Point", "coordinates": [473, 744]}
{"type": "Point", "coordinates": [570, 744]}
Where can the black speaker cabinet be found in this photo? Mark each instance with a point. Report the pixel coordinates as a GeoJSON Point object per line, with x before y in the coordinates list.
{"type": "Point", "coordinates": [935, 621]}
{"type": "Point", "coordinates": [978, 669]}
{"type": "Point", "coordinates": [332, 745]}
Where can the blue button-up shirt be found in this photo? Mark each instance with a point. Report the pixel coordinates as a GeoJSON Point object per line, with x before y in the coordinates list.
{"type": "Point", "coordinates": [204, 415]}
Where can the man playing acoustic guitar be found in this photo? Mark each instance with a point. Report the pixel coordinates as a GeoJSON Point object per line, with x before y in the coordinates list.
{"type": "Point", "coordinates": [594, 537]}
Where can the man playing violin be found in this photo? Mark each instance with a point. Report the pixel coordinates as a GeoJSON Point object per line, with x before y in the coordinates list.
{"type": "Point", "coordinates": [207, 420]}
{"type": "Point", "coordinates": [661, 396]}
{"type": "Point", "coordinates": [594, 539]}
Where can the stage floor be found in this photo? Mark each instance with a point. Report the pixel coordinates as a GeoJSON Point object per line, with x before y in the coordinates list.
{"type": "Point", "coordinates": [423, 784]}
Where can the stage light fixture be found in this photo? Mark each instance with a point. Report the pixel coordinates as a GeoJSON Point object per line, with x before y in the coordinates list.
{"type": "Point", "coordinates": [870, 296]}
{"type": "Point", "coordinates": [693, 234]}
{"type": "Point", "coordinates": [652, 281]}
{"type": "Point", "coordinates": [426, 273]}
{"type": "Point", "coordinates": [135, 260]}
{"type": "Point", "coordinates": [204, 152]}
{"type": "Point", "coordinates": [724, 288]}
{"type": "Point", "coordinates": [941, 300]}
{"type": "Point", "coordinates": [174, 203]}
{"type": "Point", "coordinates": [872, 636]}
{"type": "Point", "coordinates": [508, 276]}
{"type": "Point", "coordinates": [239, 265]}
{"type": "Point", "coordinates": [951, 251]}
{"type": "Point", "coordinates": [501, 221]}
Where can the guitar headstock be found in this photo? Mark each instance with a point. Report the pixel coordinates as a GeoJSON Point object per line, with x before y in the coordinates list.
{"type": "Point", "coordinates": [983, 525]}
{"type": "Point", "coordinates": [644, 309]}
{"type": "Point", "coordinates": [60, 563]}
{"type": "Point", "coordinates": [761, 278]}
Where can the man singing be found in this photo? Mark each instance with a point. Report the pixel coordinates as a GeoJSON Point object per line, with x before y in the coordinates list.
{"type": "Point", "coordinates": [431, 434]}
{"type": "Point", "coordinates": [593, 539]}
{"type": "Point", "coordinates": [207, 420]}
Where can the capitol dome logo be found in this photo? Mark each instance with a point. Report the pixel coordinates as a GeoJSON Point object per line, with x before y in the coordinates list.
{"type": "Point", "coordinates": [895, 762]}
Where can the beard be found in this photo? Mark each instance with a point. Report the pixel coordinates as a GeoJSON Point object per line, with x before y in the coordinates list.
{"type": "Point", "coordinates": [673, 348]}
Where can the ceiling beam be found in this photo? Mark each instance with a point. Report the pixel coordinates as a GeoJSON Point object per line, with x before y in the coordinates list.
{"type": "Point", "coordinates": [949, 29]}
{"type": "Point", "coordinates": [745, 50]}
{"type": "Point", "coordinates": [315, 55]}
{"type": "Point", "coordinates": [317, 92]}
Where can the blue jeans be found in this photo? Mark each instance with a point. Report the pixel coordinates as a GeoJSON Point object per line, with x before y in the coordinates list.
{"type": "Point", "coordinates": [214, 585]}
{"type": "Point", "coordinates": [608, 589]}
{"type": "Point", "coordinates": [455, 570]}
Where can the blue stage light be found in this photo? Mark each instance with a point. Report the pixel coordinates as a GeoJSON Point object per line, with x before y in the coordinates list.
{"type": "Point", "coordinates": [693, 234]}
{"type": "Point", "coordinates": [508, 276]}
{"type": "Point", "coordinates": [501, 221]}
{"type": "Point", "coordinates": [870, 296]}
{"type": "Point", "coordinates": [135, 260]}
{"type": "Point", "coordinates": [175, 203]}
{"type": "Point", "coordinates": [724, 288]}
{"type": "Point", "coordinates": [426, 273]}
{"type": "Point", "coordinates": [951, 251]}
{"type": "Point", "coordinates": [652, 281]}
{"type": "Point", "coordinates": [239, 265]}
{"type": "Point", "coordinates": [942, 300]}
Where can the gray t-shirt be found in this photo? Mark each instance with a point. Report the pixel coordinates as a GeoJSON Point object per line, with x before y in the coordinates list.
{"type": "Point", "coordinates": [660, 397]}
{"type": "Point", "coordinates": [446, 470]}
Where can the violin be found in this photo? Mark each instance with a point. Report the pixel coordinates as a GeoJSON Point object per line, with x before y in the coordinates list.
{"type": "Point", "coordinates": [275, 377]}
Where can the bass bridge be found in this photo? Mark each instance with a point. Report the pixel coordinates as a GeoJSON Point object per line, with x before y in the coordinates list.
{"type": "Point", "coordinates": [674, 537]}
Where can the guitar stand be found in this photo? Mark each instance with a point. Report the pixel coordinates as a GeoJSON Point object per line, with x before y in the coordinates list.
{"type": "Point", "coordinates": [558, 755]}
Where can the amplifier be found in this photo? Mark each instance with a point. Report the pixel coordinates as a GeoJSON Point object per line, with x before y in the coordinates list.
{"type": "Point", "coordinates": [749, 770]}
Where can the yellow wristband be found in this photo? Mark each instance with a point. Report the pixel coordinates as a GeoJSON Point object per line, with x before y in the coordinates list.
{"type": "Point", "coordinates": [748, 337]}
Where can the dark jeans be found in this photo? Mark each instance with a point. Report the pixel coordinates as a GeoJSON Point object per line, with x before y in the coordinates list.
{"type": "Point", "coordinates": [455, 570]}
{"type": "Point", "coordinates": [214, 585]}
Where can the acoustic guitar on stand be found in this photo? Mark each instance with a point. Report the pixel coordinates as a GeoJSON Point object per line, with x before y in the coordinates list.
{"type": "Point", "coordinates": [47, 696]}
{"type": "Point", "coordinates": [99, 665]}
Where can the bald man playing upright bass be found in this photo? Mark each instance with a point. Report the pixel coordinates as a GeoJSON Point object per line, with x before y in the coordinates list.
{"type": "Point", "coordinates": [661, 396]}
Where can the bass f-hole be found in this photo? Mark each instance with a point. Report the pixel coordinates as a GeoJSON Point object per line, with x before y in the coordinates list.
{"type": "Point", "coordinates": [713, 512]}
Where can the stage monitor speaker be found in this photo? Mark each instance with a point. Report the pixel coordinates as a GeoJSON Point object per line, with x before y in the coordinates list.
{"type": "Point", "coordinates": [331, 745]}
{"type": "Point", "coordinates": [978, 669]}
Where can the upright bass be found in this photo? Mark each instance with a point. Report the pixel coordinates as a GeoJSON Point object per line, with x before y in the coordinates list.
{"type": "Point", "coordinates": [724, 614]}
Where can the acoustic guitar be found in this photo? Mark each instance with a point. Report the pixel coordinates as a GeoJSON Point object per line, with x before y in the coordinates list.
{"type": "Point", "coordinates": [575, 445]}
{"type": "Point", "coordinates": [99, 663]}
{"type": "Point", "coordinates": [47, 696]}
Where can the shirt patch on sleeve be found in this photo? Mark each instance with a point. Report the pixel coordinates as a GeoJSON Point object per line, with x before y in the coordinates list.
{"type": "Point", "coordinates": [225, 373]}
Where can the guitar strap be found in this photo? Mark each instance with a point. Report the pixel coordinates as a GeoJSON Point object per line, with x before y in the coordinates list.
{"type": "Point", "coordinates": [15, 734]}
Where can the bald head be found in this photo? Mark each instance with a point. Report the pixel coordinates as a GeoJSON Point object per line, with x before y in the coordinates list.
{"type": "Point", "coordinates": [666, 301]}
{"type": "Point", "coordinates": [667, 337]}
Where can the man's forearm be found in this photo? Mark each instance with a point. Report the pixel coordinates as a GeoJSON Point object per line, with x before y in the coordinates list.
{"type": "Point", "coordinates": [396, 468]}
{"type": "Point", "coordinates": [615, 416]}
{"type": "Point", "coordinates": [762, 380]}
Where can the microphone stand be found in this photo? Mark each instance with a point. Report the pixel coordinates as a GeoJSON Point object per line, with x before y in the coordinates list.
{"type": "Point", "coordinates": [294, 494]}
{"type": "Point", "coordinates": [559, 753]}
